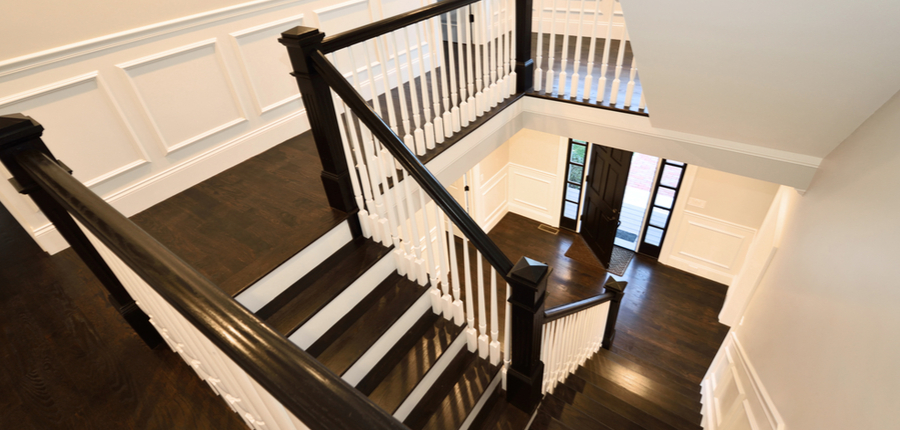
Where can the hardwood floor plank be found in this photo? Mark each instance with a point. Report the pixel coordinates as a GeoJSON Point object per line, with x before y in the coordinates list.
{"type": "Point", "coordinates": [641, 399]}
{"type": "Point", "coordinates": [611, 370]}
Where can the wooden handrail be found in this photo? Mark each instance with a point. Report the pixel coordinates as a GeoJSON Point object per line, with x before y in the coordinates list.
{"type": "Point", "coordinates": [315, 395]}
{"type": "Point", "coordinates": [411, 163]}
{"type": "Point", "coordinates": [575, 307]}
{"type": "Point", "coordinates": [377, 28]}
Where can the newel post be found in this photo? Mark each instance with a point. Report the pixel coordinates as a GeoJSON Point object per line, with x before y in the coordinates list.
{"type": "Point", "coordinates": [19, 133]}
{"type": "Point", "coordinates": [524, 62]}
{"type": "Point", "coordinates": [528, 280]}
{"type": "Point", "coordinates": [301, 42]}
{"type": "Point", "coordinates": [618, 289]}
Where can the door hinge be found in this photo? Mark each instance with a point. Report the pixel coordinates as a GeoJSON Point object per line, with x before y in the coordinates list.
{"type": "Point", "coordinates": [467, 188]}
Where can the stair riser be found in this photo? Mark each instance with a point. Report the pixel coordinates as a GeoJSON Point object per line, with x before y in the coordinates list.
{"type": "Point", "coordinates": [367, 362]}
{"type": "Point", "coordinates": [342, 304]}
{"type": "Point", "coordinates": [270, 286]}
{"type": "Point", "coordinates": [425, 384]}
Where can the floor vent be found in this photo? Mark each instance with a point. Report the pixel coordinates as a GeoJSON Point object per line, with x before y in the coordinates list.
{"type": "Point", "coordinates": [548, 229]}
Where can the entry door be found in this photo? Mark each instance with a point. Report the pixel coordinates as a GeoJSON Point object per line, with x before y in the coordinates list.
{"type": "Point", "coordinates": [607, 177]}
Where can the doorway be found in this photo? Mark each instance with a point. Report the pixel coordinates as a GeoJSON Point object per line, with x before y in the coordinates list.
{"type": "Point", "coordinates": [603, 198]}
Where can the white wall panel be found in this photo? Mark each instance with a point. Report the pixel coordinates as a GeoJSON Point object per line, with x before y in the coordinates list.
{"type": "Point", "coordinates": [186, 93]}
{"type": "Point", "coordinates": [266, 65]}
{"type": "Point", "coordinates": [708, 247]}
{"type": "Point", "coordinates": [532, 194]}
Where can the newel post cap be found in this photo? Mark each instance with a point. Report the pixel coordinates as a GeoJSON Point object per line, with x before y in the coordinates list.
{"type": "Point", "coordinates": [614, 285]}
{"type": "Point", "coordinates": [529, 270]}
{"type": "Point", "coordinates": [15, 128]}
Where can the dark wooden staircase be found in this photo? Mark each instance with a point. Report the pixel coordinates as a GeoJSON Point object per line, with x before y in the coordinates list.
{"type": "Point", "coordinates": [608, 392]}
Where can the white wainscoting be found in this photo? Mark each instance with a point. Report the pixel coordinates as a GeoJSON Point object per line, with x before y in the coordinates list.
{"type": "Point", "coordinates": [707, 246]}
{"type": "Point", "coordinates": [492, 199]}
{"type": "Point", "coordinates": [558, 23]}
{"type": "Point", "coordinates": [144, 114]}
{"type": "Point", "coordinates": [734, 397]}
{"type": "Point", "coordinates": [533, 194]}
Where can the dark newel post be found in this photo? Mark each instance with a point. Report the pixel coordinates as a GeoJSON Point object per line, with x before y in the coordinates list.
{"type": "Point", "coordinates": [524, 63]}
{"type": "Point", "coordinates": [528, 280]}
{"type": "Point", "coordinates": [301, 42]}
{"type": "Point", "coordinates": [19, 133]}
{"type": "Point", "coordinates": [617, 288]}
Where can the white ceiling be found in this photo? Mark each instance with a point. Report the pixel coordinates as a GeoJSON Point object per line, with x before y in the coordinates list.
{"type": "Point", "coordinates": [795, 75]}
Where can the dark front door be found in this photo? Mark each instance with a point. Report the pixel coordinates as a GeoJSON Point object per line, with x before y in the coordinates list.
{"type": "Point", "coordinates": [607, 177]}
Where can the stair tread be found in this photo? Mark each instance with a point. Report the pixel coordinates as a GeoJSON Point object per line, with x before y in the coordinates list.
{"type": "Point", "coordinates": [610, 410]}
{"type": "Point", "coordinates": [640, 384]}
{"type": "Point", "coordinates": [572, 417]}
{"type": "Point", "coordinates": [410, 368]}
{"type": "Point", "coordinates": [604, 391]}
{"type": "Point", "coordinates": [505, 416]}
{"type": "Point", "coordinates": [452, 398]}
{"type": "Point", "coordinates": [543, 421]}
{"type": "Point", "coordinates": [357, 331]}
{"type": "Point", "coordinates": [296, 305]}
{"type": "Point", "coordinates": [679, 383]}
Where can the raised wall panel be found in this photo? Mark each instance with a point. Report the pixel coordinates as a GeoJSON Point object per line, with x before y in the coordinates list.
{"type": "Point", "coordinates": [710, 247]}
{"type": "Point", "coordinates": [266, 64]}
{"type": "Point", "coordinates": [531, 194]}
{"type": "Point", "coordinates": [186, 93]}
{"type": "Point", "coordinates": [83, 126]}
{"type": "Point", "coordinates": [494, 199]}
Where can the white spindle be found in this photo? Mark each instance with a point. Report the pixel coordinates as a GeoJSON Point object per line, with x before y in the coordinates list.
{"type": "Point", "coordinates": [385, 80]}
{"type": "Point", "coordinates": [565, 53]}
{"type": "Point", "coordinates": [458, 312]}
{"type": "Point", "coordinates": [573, 91]}
{"type": "Point", "coordinates": [454, 84]}
{"type": "Point", "coordinates": [373, 86]}
{"type": "Point", "coordinates": [393, 51]}
{"type": "Point", "coordinates": [418, 134]}
{"type": "Point", "coordinates": [495, 320]}
{"type": "Point", "coordinates": [478, 50]}
{"type": "Point", "coordinates": [471, 331]}
{"type": "Point", "coordinates": [429, 126]}
{"type": "Point", "coordinates": [446, 298]}
{"type": "Point", "coordinates": [405, 252]}
{"type": "Point", "coordinates": [464, 78]}
{"type": "Point", "coordinates": [470, 69]}
{"type": "Point", "coordinates": [629, 92]}
{"type": "Point", "coordinates": [620, 60]}
{"type": "Point", "coordinates": [436, 42]}
{"type": "Point", "coordinates": [507, 334]}
{"type": "Point", "coordinates": [490, 49]}
{"type": "Point", "coordinates": [551, 50]}
{"type": "Point", "coordinates": [589, 78]}
{"type": "Point", "coordinates": [502, 55]}
{"type": "Point", "coordinates": [421, 274]}
{"type": "Point", "coordinates": [512, 79]}
{"type": "Point", "coordinates": [607, 44]}
{"type": "Point", "coordinates": [484, 342]}
{"type": "Point", "coordinates": [369, 167]}
{"type": "Point", "coordinates": [432, 262]}
{"type": "Point", "coordinates": [358, 195]}
{"type": "Point", "coordinates": [642, 105]}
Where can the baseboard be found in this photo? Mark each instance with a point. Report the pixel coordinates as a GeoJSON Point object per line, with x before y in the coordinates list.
{"type": "Point", "coordinates": [705, 272]}
{"type": "Point", "coordinates": [157, 188]}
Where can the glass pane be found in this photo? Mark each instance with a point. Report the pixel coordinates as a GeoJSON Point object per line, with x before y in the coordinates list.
{"type": "Point", "coordinates": [654, 236]}
{"type": "Point", "coordinates": [659, 217]}
{"type": "Point", "coordinates": [573, 192]}
{"type": "Point", "coordinates": [578, 154]}
{"type": "Point", "coordinates": [571, 211]}
{"type": "Point", "coordinates": [579, 141]}
{"type": "Point", "coordinates": [671, 176]}
{"type": "Point", "coordinates": [677, 163]}
{"type": "Point", "coordinates": [575, 173]}
{"type": "Point", "coordinates": [665, 198]}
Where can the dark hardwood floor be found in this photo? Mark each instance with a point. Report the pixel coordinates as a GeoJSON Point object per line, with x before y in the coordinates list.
{"type": "Point", "coordinates": [668, 318]}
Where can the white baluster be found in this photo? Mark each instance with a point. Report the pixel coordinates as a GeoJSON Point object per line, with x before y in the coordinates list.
{"type": "Point", "coordinates": [495, 320]}
{"type": "Point", "coordinates": [573, 91]}
{"type": "Point", "coordinates": [478, 47]}
{"type": "Point", "coordinates": [589, 79]}
{"type": "Point", "coordinates": [502, 54]}
{"type": "Point", "coordinates": [421, 274]}
{"type": "Point", "coordinates": [454, 84]}
{"type": "Point", "coordinates": [458, 312]}
{"type": "Point", "coordinates": [490, 49]}
{"type": "Point", "coordinates": [565, 53]}
{"type": "Point", "coordinates": [418, 134]}
{"type": "Point", "coordinates": [373, 86]}
{"type": "Point", "coordinates": [507, 333]}
{"type": "Point", "coordinates": [471, 331]}
{"type": "Point", "coordinates": [607, 44]}
{"type": "Point", "coordinates": [483, 339]}
{"type": "Point", "coordinates": [369, 168]}
{"type": "Point", "coordinates": [642, 106]}
{"type": "Point", "coordinates": [446, 298]}
{"type": "Point", "coordinates": [512, 79]}
{"type": "Point", "coordinates": [392, 51]}
{"type": "Point", "coordinates": [429, 127]}
{"type": "Point", "coordinates": [436, 41]}
{"type": "Point", "coordinates": [462, 60]}
{"type": "Point", "coordinates": [358, 195]}
{"type": "Point", "coordinates": [551, 50]}
{"type": "Point", "coordinates": [470, 69]}
{"type": "Point", "coordinates": [620, 59]}
{"type": "Point", "coordinates": [629, 92]}
{"type": "Point", "coordinates": [432, 262]}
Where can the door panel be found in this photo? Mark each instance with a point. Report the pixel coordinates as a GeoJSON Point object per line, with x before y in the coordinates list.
{"type": "Point", "coordinates": [607, 178]}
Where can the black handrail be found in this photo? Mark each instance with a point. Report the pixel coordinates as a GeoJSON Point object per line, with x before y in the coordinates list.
{"type": "Point", "coordinates": [375, 29]}
{"type": "Point", "coordinates": [315, 395]}
{"type": "Point", "coordinates": [575, 307]}
{"type": "Point", "coordinates": [411, 163]}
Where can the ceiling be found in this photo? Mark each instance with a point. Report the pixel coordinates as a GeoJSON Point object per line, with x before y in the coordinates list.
{"type": "Point", "coordinates": [797, 76]}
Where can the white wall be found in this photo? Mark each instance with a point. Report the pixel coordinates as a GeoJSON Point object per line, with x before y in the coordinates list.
{"type": "Point", "coordinates": [821, 329]}
{"type": "Point", "coordinates": [145, 113]}
{"type": "Point", "coordinates": [536, 179]}
{"type": "Point", "coordinates": [714, 222]}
